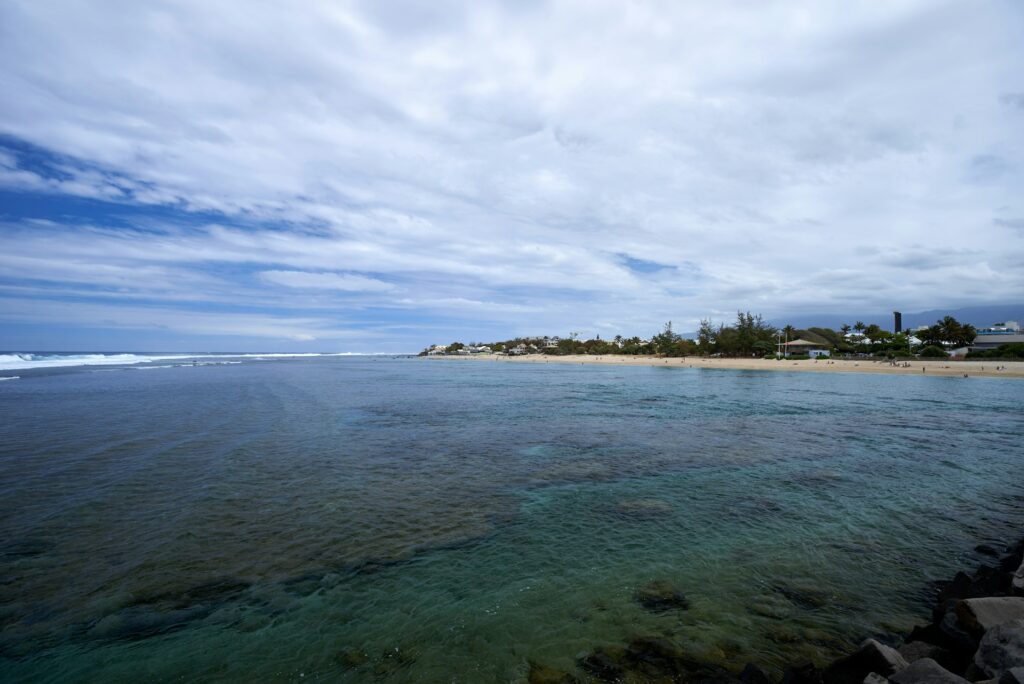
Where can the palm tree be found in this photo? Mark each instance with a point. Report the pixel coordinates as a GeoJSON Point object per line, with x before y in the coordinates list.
{"type": "Point", "coordinates": [859, 326]}
{"type": "Point", "coordinates": [790, 332]}
{"type": "Point", "coordinates": [845, 329]}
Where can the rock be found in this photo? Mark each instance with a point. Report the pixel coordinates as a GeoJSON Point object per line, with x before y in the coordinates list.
{"type": "Point", "coordinates": [352, 658]}
{"type": "Point", "coordinates": [1001, 649]}
{"type": "Point", "coordinates": [807, 598]}
{"type": "Point", "coordinates": [642, 509]}
{"type": "Point", "coordinates": [1015, 675]}
{"type": "Point", "coordinates": [926, 671]}
{"type": "Point", "coordinates": [989, 550]}
{"type": "Point", "coordinates": [986, 581]}
{"type": "Point", "coordinates": [542, 674]}
{"type": "Point", "coordinates": [752, 674]}
{"type": "Point", "coordinates": [979, 615]}
{"type": "Point", "coordinates": [927, 633]}
{"type": "Point", "coordinates": [989, 581]}
{"type": "Point", "coordinates": [661, 596]}
{"type": "Point", "coordinates": [801, 674]}
{"type": "Point", "coordinates": [954, 635]}
{"type": "Point", "coordinates": [875, 678]}
{"type": "Point", "coordinates": [916, 650]}
{"type": "Point", "coordinates": [654, 656]}
{"type": "Point", "coordinates": [872, 656]}
{"type": "Point", "coordinates": [1017, 583]}
{"type": "Point", "coordinates": [602, 664]}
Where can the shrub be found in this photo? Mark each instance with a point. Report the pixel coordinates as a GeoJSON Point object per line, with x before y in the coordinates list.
{"type": "Point", "coordinates": [933, 352]}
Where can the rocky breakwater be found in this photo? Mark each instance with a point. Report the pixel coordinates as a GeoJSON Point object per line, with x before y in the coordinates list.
{"type": "Point", "coordinates": [976, 635]}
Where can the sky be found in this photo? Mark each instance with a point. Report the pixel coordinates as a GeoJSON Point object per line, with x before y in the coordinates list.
{"type": "Point", "coordinates": [381, 176]}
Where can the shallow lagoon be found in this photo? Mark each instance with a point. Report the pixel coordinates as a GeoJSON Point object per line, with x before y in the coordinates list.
{"type": "Point", "coordinates": [398, 520]}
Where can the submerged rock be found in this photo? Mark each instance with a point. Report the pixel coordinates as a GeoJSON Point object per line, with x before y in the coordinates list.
{"type": "Point", "coordinates": [603, 663]}
{"type": "Point", "coordinates": [652, 658]}
{"type": "Point", "coordinates": [661, 596]}
{"type": "Point", "coordinates": [642, 509]}
{"type": "Point", "coordinates": [804, 597]}
{"type": "Point", "coordinates": [352, 658]}
{"type": "Point", "coordinates": [542, 674]}
{"type": "Point", "coordinates": [926, 671]}
{"type": "Point", "coordinates": [1001, 649]}
{"type": "Point", "coordinates": [872, 656]}
{"type": "Point", "coordinates": [1017, 584]}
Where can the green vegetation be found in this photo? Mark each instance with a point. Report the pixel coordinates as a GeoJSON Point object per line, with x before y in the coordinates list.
{"type": "Point", "coordinates": [1003, 351]}
{"type": "Point", "coordinates": [750, 336]}
{"type": "Point", "coordinates": [949, 331]}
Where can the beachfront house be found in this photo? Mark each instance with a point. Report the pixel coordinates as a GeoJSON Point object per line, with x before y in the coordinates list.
{"type": "Point", "coordinates": [811, 349]}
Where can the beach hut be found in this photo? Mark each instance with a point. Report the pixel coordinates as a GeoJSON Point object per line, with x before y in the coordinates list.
{"type": "Point", "coordinates": [812, 349]}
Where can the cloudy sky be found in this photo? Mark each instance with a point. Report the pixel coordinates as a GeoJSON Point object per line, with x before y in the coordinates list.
{"type": "Point", "coordinates": [361, 176]}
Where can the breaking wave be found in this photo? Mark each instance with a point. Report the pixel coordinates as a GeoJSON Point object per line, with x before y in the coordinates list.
{"type": "Point", "coordinates": [22, 361]}
{"type": "Point", "coordinates": [26, 360]}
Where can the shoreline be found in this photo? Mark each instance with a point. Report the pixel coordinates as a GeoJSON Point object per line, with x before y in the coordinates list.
{"type": "Point", "coordinates": [921, 367]}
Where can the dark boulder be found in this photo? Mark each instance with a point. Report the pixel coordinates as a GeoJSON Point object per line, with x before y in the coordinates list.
{"type": "Point", "coordinates": [801, 674]}
{"type": "Point", "coordinates": [916, 650]}
{"type": "Point", "coordinates": [926, 671]}
{"type": "Point", "coordinates": [872, 656]}
{"type": "Point", "coordinates": [752, 674]}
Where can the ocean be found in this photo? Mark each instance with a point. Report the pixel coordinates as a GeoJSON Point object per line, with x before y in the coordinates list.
{"type": "Point", "coordinates": [374, 519]}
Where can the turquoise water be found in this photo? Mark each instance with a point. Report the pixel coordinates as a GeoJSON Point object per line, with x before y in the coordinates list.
{"type": "Point", "coordinates": [400, 520]}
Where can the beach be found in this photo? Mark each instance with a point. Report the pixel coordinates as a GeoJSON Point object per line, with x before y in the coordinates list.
{"type": "Point", "coordinates": [935, 367]}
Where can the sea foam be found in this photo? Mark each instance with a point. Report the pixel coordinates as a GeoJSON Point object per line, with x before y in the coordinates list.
{"type": "Point", "coordinates": [27, 360]}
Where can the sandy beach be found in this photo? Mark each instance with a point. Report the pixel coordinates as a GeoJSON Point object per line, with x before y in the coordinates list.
{"type": "Point", "coordinates": [939, 367]}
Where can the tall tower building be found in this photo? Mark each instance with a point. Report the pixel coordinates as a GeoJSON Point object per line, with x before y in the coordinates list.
{"type": "Point", "coordinates": [899, 321]}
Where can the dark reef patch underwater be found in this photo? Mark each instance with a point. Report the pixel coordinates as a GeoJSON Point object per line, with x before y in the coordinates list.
{"type": "Point", "coordinates": [396, 520]}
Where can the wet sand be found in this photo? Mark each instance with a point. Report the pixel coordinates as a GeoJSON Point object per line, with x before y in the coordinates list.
{"type": "Point", "coordinates": [941, 367]}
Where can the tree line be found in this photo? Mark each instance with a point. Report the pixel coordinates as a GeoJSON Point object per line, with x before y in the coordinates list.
{"type": "Point", "coordinates": [749, 336]}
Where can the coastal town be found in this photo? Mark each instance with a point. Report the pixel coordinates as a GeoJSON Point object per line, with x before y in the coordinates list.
{"type": "Point", "coordinates": [751, 337]}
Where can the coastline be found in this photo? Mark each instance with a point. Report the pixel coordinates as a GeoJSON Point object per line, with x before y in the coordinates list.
{"type": "Point", "coordinates": [937, 367]}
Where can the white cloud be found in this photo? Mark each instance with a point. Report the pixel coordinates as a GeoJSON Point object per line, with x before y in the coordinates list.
{"type": "Point", "coordinates": [511, 153]}
{"type": "Point", "coordinates": [325, 281]}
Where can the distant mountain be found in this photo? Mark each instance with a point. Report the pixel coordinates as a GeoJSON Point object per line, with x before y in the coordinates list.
{"type": "Point", "coordinates": [978, 316]}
